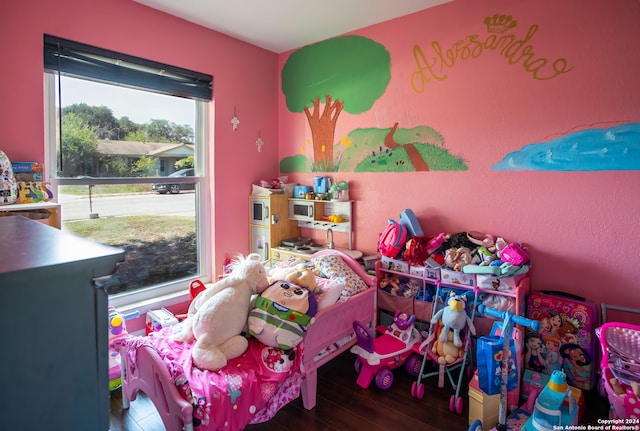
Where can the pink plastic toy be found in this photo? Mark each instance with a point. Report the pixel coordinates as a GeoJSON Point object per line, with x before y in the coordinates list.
{"type": "Point", "coordinates": [117, 329]}
{"type": "Point", "coordinates": [378, 356]}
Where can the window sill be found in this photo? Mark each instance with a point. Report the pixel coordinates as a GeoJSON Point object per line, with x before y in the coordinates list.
{"type": "Point", "coordinates": [155, 303]}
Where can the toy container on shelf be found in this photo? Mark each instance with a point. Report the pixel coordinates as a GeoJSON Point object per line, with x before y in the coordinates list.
{"type": "Point", "coordinates": [433, 273]}
{"type": "Point", "coordinates": [457, 277]}
{"type": "Point", "coordinates": [502, 284]}
{"type": "Point", "coordinates": [394, 264]}
{"type": "Point", "coordinates": [158, 319]}
{"type": "Point", "coordinates": [419, 270]}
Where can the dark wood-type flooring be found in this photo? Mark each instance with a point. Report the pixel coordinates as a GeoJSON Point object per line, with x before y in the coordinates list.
{"type": "Point", "coordinates": [342, 405]}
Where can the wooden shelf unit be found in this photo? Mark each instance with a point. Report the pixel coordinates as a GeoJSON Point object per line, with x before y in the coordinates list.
{"type": "Point", "coordinates": [52, 208]}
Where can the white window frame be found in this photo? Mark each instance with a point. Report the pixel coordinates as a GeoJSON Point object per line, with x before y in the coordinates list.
{"type": "Point", "coordinates": [171, 293]}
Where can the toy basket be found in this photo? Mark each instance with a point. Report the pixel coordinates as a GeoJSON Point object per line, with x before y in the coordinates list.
{"type": "Point", "coordinates": [620, 343]}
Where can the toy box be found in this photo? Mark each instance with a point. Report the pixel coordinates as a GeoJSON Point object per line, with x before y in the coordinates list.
{"type": "Point", "coordinates": [394, 264]}
{"type": "Point", "coordinates": [158, 319]}
{"type": "Point", "coordinates": [433, 273]}
{"type": "Point", "coordinates": [451, 276]}
{"type": "Point", "coordinates": [31, 188]}
{"type": "Point", "coordinates": [370, 261]}
{"type": "Point", "coordinates": [502, 284]}
{"type": "Point", "coordinates": [299, 192]}
{"type": "Point", "coordinates": [419, 270]}
{"type": "Point", "coordinates": [486, 407]}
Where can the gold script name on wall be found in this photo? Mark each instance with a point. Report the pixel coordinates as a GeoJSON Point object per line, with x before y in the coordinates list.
{"type": "Point", "coordinates": [515, 51]}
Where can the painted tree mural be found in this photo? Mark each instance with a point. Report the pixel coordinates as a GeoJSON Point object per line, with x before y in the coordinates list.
{"type": "Point", "coordinates": [346, 73]}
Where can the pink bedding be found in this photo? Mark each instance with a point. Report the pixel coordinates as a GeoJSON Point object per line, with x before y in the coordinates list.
{"type": "Point", "coordinates": [250, 389]}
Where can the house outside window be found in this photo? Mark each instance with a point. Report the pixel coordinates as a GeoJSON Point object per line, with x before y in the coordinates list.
{"type": "Point", "coordinates": [110, 148]}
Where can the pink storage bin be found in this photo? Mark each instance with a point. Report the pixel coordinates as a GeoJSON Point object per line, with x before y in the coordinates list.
{"type": "Point", "coordinates": [623, 406]}
{"type": "Point", "coordinates": [620, 343]}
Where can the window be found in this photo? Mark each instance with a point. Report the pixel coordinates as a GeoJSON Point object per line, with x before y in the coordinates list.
{"type": "Point", "coordinates": [126, 158]}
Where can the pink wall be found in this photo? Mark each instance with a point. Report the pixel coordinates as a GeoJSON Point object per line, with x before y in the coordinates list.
{"type": "Point", "coordinates": [245, 80]}
{"type": "Point", "coordinates": [580, 227]}
{"type": "Point", "coordinates": [576, 225]}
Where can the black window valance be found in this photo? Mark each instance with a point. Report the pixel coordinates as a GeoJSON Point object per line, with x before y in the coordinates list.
{"type": "Point", "coordinates": [86, 61]}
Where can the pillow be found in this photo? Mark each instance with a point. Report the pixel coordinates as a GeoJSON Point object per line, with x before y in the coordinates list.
{"type": "Point", "coordinates": [327, 292]}
{"type": "Point", "coordinates": [333, 267]}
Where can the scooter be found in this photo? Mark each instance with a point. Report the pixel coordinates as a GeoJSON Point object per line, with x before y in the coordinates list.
{"type": "Point", "coordinates": [509, 319]}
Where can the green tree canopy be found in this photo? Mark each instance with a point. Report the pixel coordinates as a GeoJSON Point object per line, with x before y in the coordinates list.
{"type": "Point", "coordinates": [100, 118]}
{"type": "Point", "coordinates": [187, 162]}
{"type": "Point", "coordinates": [79, 145]}
{"type": "Point", "coordinates": [353, 69]}
{"type": "Point", "coordinates": [348, 72]}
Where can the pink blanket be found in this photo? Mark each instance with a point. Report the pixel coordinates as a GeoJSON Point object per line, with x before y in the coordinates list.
{"type": "Point", "coordinates": [250, 389]}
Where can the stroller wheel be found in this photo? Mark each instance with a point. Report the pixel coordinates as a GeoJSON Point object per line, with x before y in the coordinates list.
{"type": "Point", "coordinates": [417, 390]}
{"type": "Point", "coordinates": [459, 405]}
{"type": "Point", "coordinates": [357, 365]}
{"type": "Point", "coordinates": [452, 403]}
{"type": "Point", "coordinates": [384, 379]}
{"type": "Point", "coordinates": [475, 425]}
{"type": "Point", "coordinates": [413, 365]}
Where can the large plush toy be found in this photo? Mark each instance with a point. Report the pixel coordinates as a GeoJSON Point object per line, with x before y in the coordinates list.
{"type": "Point", "coordinates": [217, 316]}
{"type": "Point", "coordinates": [281, 314]}
{"type": "Point", "coordinates": [454, 316]}
{"type": "Point", "coordinates": [301, 274]}
{"type": "Point", "coordinates": [446, 351]}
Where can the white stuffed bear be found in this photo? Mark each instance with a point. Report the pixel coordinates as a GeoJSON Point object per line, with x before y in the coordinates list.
{"type": "Point", "coordinates": [217, 316]}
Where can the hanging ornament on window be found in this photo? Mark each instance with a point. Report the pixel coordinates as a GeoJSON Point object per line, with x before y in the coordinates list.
{"type": "Point", "coordinates": [259, 143]}
{"type": "Point", "coordinates": [234, 120]}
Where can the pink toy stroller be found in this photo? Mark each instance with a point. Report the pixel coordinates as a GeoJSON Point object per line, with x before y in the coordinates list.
{"type": "Point", "coordinates": [378, 356]}
{"type": "Point", "coordinates": [460, 364]}
{"type": "Point", "coordinates": [620, 343]}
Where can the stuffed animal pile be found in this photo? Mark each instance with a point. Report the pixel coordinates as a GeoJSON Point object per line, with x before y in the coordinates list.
{"type": "Point", "coordinates": [218, 315]}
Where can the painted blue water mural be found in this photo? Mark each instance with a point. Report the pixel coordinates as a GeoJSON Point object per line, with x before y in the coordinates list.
{"type": "Point", "coordinates": [610, 149]}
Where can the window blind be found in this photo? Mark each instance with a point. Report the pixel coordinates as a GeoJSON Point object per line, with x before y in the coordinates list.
{"type": "Point", "coordinates": [85, 61]}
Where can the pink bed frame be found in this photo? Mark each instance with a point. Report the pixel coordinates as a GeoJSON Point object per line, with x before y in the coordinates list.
{"type": "Point", "coordinates": [332, 324]}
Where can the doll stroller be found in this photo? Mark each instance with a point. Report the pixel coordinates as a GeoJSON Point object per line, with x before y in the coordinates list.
{"type": "Point", "coordinates": [620, 343]}
{"type": "Point", "coordinates": [450, 364]}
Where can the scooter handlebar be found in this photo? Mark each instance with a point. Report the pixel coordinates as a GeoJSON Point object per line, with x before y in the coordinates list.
{"type": "Point", "coordinates": [518, 320]}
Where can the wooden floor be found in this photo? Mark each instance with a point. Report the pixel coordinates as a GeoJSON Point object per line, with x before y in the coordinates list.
{"type": "Point", "coordinates": [344, 406]}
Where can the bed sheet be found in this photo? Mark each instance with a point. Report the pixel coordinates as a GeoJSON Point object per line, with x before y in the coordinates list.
{"type": "Point", "coordinates": [250, 389]}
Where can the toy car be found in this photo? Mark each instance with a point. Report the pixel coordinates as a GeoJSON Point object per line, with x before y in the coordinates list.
{"type": "Point", "coordinates": [378, 356]}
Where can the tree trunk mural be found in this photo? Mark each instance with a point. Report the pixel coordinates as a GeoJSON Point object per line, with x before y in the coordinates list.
{"type": "Point", "coordinates": [323, 128]}
{"type": "Point", "coordinates": [416, 159]}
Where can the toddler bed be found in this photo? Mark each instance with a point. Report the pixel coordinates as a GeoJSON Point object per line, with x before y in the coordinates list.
{"type": "Point", "coordinates": [253, 387]}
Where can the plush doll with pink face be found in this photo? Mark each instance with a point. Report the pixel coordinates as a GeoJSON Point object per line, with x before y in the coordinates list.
{"type": "Point", "coordinates": [282, 314]}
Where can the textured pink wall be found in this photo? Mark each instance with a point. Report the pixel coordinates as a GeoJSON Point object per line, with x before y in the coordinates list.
{"type": "Point", "coordinates": [580, 227]}
{"type": "Point", "coordinates": [245, 80]}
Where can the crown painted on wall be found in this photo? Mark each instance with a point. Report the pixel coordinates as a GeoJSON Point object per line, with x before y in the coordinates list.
{"type": "Point", "coordinates": [499, 23]}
